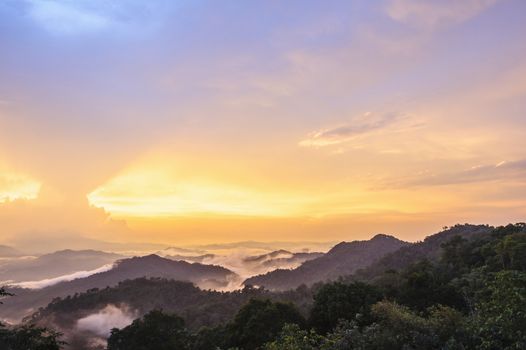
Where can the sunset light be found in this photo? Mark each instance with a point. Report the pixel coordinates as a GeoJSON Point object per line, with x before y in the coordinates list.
{"type": "Point", "coordinates": [262, 174]}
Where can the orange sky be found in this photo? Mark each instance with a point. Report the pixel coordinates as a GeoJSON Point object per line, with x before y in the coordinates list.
{"type": "Point", "coordinates": [195, 123]}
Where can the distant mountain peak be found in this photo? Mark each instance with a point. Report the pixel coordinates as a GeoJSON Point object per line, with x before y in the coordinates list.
{"type": "Point", "coordinates": [383, 236]}
{"type": "Point", "coordinates": [343, 259]}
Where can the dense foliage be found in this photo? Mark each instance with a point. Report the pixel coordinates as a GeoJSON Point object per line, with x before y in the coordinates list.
{"type": "Point", "coordinates": [199, 308]}
{"type": "Point", "coordinates": [156, 330]}
{"type": "Point", "coordinates": [27, 336]}
{"type": "Point", "coordinates": [471, 297]}
{"type": "Point", "coordinates": [464, 288]}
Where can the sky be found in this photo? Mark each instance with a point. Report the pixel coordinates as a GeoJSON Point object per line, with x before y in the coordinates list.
{"type": "Point", "coordinates": [194, 122]}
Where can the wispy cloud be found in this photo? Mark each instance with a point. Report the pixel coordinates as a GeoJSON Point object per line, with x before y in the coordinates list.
{"type": "Point", "coordinates": [435, 13]}
{"type": "Point", "coordinates": [505, 170]}
{"type": "Point", "coordinates": [65, 17]}
{"type": "Point", "coordinates": [73, 17]}
{"type": "Point", "coordinates": [359, 126]}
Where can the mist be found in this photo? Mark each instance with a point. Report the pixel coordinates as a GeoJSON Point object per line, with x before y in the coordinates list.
{"type": "Point", "coordinates": [65, 278]}
{"type": "Point", "coordinates": [102, 322]}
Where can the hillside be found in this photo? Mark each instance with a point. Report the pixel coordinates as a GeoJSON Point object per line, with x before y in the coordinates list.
{"type": "Point", "coordinates": [428, 249]}
{"type": "Point", "coordinates": [206, 276]}
{"type": "Point", "coordinates": [434, 287]}
{"type": "Point", "coordinates": [343, 259]}
{"type": "Point", "coordinates": [134, 297]}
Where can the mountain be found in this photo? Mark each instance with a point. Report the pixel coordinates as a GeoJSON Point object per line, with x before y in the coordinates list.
{"type": "Point", "coordinates": [343, 259]}
{"type": "Point", "coordinates": [25, 301]}
{"type": "Point", "coordinates": [134, 298]}
{"type": "Point", "coordinates": [7, 252]}
{"type": "Point", "coordinates": [56, 264]}
{"type": "Point", "coordinates": [428, 249]}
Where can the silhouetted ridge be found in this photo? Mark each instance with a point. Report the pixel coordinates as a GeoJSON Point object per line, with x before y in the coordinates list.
{"type": "Point", "coordinates": [205, 276]}
{"type": "Point", "coordinates": [428, 249]}
{"type": "Point", "coordinates": [343, 259]}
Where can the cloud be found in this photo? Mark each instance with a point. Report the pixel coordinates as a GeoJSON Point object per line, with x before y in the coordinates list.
{"type": "Point", "coordinates": [102, 322]}
{"type": "Point", "coordinates": [365, 124]}
{"type": "Point", "coordinates": [66, 17]}
{"type": "Point", "coordinates": [65, 278]}
{"type": "Point", "coordinates": [72, 17]}
{"type": "Point", "coordinates": [501, 171]}
{"type": "Point", "coordinates": [435, 13]}
{"type": "Point", "coordinates": [17, 186]}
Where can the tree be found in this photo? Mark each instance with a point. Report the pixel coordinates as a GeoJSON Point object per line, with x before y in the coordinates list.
{"type": "Point", "coordinates": [339, 301]}
{"type": "Point", "coordinates": [210, 338]}
{"type": "Point", "coordinates": [424, 285]}
{"type": "Point", "coordinates": [260, 321]}
{"type": "Point", "coordinates": [294, 338]}
{"type": "Point", "coordinates": [397, 327]}
{"type": "Point", "coordinates": [512, 251]}
{"type": "Point", "coordinates": [156, 330]}
{"type": "Point", "coordinates": [29, 337]}
{"type": "Point", "coordinates": [499, 321]}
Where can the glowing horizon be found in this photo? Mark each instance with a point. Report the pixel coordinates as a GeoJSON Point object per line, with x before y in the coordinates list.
{"type": "Point", "coordinates": [203, 122]}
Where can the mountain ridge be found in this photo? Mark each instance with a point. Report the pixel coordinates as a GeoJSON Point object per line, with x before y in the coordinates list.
{"type": "Point", "coordinates": [342, 259]}
{"type": "Point", "coordinates": [205, 276]}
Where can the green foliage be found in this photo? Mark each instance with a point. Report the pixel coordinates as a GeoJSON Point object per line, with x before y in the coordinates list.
{"type": "Point", "coordinates": [462, 289]}
{"type": "Point", "coordinates": [397, 327]}
{"type": "Point", "coordinates": [294, 338]}
{"type": "Point", "coordinates": [512, 251]}
{"type": "Point", "coordinates": [29, 337]}
{"type": "Point", "coordinates": [210, 338]}
{"type": "Point", "coordinates": [499, 321]}
{"type": "Point", "coordinates": [260, 321]}
{"type": "Point", "coordinates": [200, 308]}
{"type": "Point", "coordinates": [423, 285]}
{"type": "Point", "coordinates": [156, 330]}
{"type": "Point", "coordinates": [339, 301]}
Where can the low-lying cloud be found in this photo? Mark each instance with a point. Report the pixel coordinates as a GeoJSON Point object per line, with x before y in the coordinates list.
{"type": "Point", "coordinates": [65, 278]}
{"type": "Point", "coordinates": [102, 322]}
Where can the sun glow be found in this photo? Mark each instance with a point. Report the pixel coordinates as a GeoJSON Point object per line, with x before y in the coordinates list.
{"type": "Point", "coordinates": [15, 186]}
{"type": "Point", "coordinates": [160, 193]}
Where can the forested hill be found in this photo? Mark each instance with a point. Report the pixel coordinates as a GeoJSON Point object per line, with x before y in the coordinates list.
{"type": "Point", "coordinates": [464, 289]}
{"type": "Point", "coordinates": [200, 308]}
{"type": "Point", "coordinates": [343, 259]}
{"type": "Point", "coordinates": [28, 301]}
{"type": "Point", "coordinates": [428, 249]}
